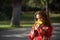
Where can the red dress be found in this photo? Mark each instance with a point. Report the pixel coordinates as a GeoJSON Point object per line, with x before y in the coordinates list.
{"type": "Point", "coordinates": [47, 31]}
{"type": "Point", "coordinates": [37, 35]}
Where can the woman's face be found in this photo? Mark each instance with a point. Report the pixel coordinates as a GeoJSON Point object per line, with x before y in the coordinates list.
{"type": "Point", "coordinates": [37, 16]}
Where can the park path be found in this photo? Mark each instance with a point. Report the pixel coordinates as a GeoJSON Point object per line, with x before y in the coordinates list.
{"type": "Point", "coordinates": [21, 33]}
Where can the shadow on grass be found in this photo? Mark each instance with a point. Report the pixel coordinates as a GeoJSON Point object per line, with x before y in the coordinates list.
{"type": "Point", "coordinates": [6, 27]}
{"type": "Point", "coordinates": [9, 28]}
{"type": "Point", "coordinates": [55, 19]}
{"type": "Point", "coordinates": [2, 29]}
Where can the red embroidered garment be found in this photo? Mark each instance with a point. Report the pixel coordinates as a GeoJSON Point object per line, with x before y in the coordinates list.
{"type": "Point", "coordinates": [47, 31]}
{"type": "Point", "coordinates": [37, 35]}
{"type": "Point", "coordinates": [41, 28]}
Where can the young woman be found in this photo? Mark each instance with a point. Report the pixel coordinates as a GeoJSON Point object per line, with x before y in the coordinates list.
{"type": "Point", "coordinates": [41, 29]}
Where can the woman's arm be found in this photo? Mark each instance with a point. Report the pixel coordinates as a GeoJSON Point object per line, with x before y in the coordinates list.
{"type": "Point", "coordinates": [34, 30]}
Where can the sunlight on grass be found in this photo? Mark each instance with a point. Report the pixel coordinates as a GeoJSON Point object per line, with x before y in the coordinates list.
{"type": "Point", "coordinates": [8, 26]}
{"type": "Point", "coordinates": [4, 26]}
{"type": "Point", "coordinates": [54, 15]}
{"type": "Point", "coordinates": [26, 25]}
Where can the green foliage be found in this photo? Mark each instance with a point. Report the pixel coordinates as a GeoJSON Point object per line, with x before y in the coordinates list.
{"type": "Point", "coordinates": [6, 9]}
{"type": "Point", "coordinates": [55, 5]}
{"type": "Point", "coordinates": [36, 3]}
{"type": "Point", "coordinates": [33, 3]}
{"type": "Point", "coordinates": [6, 6]}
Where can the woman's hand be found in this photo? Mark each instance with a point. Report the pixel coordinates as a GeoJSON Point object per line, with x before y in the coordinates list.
{"type": "Point", "coordinates": [32, 34]}
{"type": "Point", "coordinates": [37, 26]}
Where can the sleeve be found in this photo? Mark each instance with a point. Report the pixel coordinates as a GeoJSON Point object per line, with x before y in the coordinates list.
{"type": "Point", "coordinates": [31, 33]}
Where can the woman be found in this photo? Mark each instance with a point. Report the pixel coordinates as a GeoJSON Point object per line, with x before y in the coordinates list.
{"type": "Point", "coordinates": [42, 29]}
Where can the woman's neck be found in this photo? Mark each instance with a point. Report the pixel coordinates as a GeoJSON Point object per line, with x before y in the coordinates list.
{"type": "Point", "coordinates": [38, 19]}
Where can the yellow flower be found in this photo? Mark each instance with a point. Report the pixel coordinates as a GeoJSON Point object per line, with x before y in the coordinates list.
{"type": "Point", "coordinates": [38, 22]}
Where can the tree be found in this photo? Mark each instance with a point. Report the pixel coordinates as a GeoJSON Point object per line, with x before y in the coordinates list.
{"type": "Point", "coordinates": [17, 4]}
{"type": "Point", "coordinates": [33, 3]}
{"type": "Point", "coordinates": [5, 9]}
{"type": "Point", "coordinates": [55, 6]}
{"type": "Point", "coordinates": [45, 4]}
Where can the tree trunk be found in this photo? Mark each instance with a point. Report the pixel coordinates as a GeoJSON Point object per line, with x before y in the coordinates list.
{"type": "Point", "coordinates": [47, 8]}
{"type": "Point", "coordinates": [15, 21]}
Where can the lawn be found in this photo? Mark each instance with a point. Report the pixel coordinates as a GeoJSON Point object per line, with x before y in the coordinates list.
{"type": "Point", "coordinates": [27, 20]}
{"type": "Point", "coordinates": [55, 18]}
{"type": "Point", "coordinates": [29, 16]}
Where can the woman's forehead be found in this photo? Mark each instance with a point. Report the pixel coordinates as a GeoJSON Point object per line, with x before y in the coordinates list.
{"type": "Point", "coordinates": [37, 14]}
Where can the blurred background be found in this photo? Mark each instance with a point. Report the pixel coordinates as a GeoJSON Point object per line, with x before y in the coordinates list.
{"type": "Point", "coordinates": [16, 12]}
{"type": "Point", "coordinates": [20, 13]}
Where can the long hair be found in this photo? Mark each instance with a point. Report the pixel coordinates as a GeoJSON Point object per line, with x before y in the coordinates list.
{"type": "Point", "coordinates": [44, 17]}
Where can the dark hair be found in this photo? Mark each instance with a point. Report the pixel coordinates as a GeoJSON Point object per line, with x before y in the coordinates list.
{"type": "Point", "coordinates": [38, 12]}
{"type": "Point", "coordinates": [44, 17]}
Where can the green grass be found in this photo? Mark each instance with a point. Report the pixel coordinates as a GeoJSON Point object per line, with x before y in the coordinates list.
{"type": "Point", "coordinates": [27, 20]}
{"type": "Point", "coordinates": [27, 16]}
{"type": "Point", "coordinates": [7, 27]}
{"type": "Point", "coordinates": [54, 18]}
